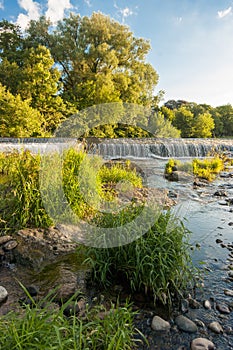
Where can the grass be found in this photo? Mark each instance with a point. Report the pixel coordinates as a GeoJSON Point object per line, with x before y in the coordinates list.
{"type": "Point", "coordinates": [202, 168]}
{"type": "Point", "coordinates": [157, 264]}
{"type": "Point", "coordinates": [84, 185]}
{"type": "Point", "coordinates": [44, 326]}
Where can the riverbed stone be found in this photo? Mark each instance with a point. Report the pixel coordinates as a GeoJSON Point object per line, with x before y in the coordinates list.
{"type": "Point", "coordinates": [10, 245]}
{"type": "Point", "coordinates": [228, 292]}
{"type": "Point", "coordinates": [215, 327]}
{"type": "Point", "coordinates": [207, 304]}
{"type": "Point", "coordinates": [185, 324]}
{"type": "Point", "coordinates": [3, 294]}
{"type": "Point", "coordinates": [159, 324]}
{"type": "Point", "coordinates": [202, 344]}
{"type": "Point", "coordinates": [223, 308]}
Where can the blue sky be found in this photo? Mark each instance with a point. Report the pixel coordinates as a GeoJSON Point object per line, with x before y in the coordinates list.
{"type": "Point", "coordinates": [192, 40]}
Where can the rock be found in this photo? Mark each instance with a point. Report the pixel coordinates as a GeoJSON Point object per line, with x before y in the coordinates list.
{"type": "Point", "coordinates": [218, 240]}
{"type": "Point", "coordinates": [220, 193]}
{"type": "Point", "coordinates": [194, 304]}
{"type": "Point", "coordinates": [207, 304]}
{"type": "Point", "coordinates": [202, 344]}
{"type": "Point", "coordinates": [230, 223]}
{"type": "Point", "coordinates": [4, 239]}
{"type": "Point", "coordinates": [223, 202]}
{"type": "Point", "coordinates": [10, 245]}
{"type": "Point", "coordinates": [184, 306]}
{"type": "Point", "coordinates": [32, 290]}
{"type": "Point", "coordinates": [158, 324]}
{"type": "Point", "coordinates": [3, 294]}
{"type": "Point", "coordinates": [199, 323]}
{"type": "Point", "coordinates": [228, 292]}
{"type": "Point", "coordinates": [215, 327]}
{"type": "Point", "coordinates": [230, 274]}
{"type": "Point", "coordinates": [223, 308]}
{"type": "Point", "coordinates": [185, 324]}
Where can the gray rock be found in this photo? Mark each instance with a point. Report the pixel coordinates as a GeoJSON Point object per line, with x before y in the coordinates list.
{"type": "Point", "coordinates": [184, 306]}
{"type": "Point", "coordinates": [158, 324]}
{"type": "Point", "coordinates": [3, 294]}
{"type": "Point", "coordinates": [223, 308]}
{"type": "Point", "coordinates": [202, 344]}
{"type": "Point", "coordinates": [185, 324]}
{"type": "Point", "coordinates": [215, 327]}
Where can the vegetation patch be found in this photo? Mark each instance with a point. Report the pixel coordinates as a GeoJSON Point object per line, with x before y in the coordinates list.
{"type": "Point", "coordinates": [157, 264]}
{"type": "Point", "coordinates": [202, 168]}
{"type": "Point", "coordinates": [44, 326]}
{"type": "Point", "coordinates": [85, 183]}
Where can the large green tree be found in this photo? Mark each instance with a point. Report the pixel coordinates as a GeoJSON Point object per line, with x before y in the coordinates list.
{"type": "Point", "coordinates": [100, 59]}
{"type": "Point", "coordinates": [17, 118]}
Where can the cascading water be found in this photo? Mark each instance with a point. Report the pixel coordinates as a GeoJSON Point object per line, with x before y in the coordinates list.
{"type": "Point", "coordinates": [121, 148]}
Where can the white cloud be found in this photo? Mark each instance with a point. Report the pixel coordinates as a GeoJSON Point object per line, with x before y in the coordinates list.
{"type": "Point", "coordinates": [124, 12]}
{"type": "Point", "coordinates": [1, 5]}
{"type": "Point", "coordinates": [56, 9]}
{"type": "Point", "coordinates": [224, 13]}
{"type": "Point", "coordinates": [88, 3]}
{"type": "Point", "coordinates": [33, 12]}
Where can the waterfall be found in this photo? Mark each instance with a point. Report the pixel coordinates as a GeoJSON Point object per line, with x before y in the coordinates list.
{"type": "Point", "coordinates": [123, 148]}
{"type": "Point", "coordinates": [165, 148]}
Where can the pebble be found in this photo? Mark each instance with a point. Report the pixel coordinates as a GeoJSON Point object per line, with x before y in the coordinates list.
{"type": "Point", "coordinates": [228, 292]}
{"type": "Point", "coordinates": [3, 294]}
{"type": "Point", "coordinates": [4, 239]}
{"type": "Point", "coordinates": [185, 324]}
{"type": "Point", "coordinates": [230, 273]}
{"type": "Point", "coordinates": [215, 327]}
{"type": "Point", "coordinates": [158, 324]}
{"type": "Point", "coordinates": [219, 240]}
{"type": "Point", "coordinates": [207, 304]}
{"type": "Point", "coordinates": [194, 304]}
{"type": "Point", "coordinates": [223, 308]}
{"type": "Point", "coordinates": [202, 344]}
{"type": "Point", "coordinates": [10, 245]}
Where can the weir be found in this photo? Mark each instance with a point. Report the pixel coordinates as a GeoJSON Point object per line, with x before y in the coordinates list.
{"type": "Point", "coordinates": [120, 148]}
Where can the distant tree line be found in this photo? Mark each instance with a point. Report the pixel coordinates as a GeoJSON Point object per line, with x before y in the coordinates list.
{"type": "Point", "coordinates": [199, 120]}
{"type": "Point", "coordinates": [48, 73]}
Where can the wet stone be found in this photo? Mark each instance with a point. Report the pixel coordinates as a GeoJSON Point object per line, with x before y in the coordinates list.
{"type": "Point", "coordinates": [3, 294]}
{"type": "Point", "coordinates": [185, 324]}
{"type": "Point", "coordinates": [10, 245]}
{"type": "Point", "coordinates": [207, 304]}
{"type": "Point", "coordinates": [158, 324]}
{"type": "Point", "coordinates": [223, 308]}
{"type": "Point", "coordinates": [202, 344]}
{"type": "Point", "coordinates": [228, 292]}
{"type": "Point", "coordinates": [215, 327]}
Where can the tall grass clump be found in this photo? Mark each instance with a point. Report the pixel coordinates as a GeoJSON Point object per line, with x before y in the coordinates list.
{"type": "Point", "coordinates": [158, 263]}
{"type": "Point", "coordinates": [20, 201]}
{"type": "Point", "coordinates": [31, 197]}
{"type": "Point", "coordinates": [46, 328]}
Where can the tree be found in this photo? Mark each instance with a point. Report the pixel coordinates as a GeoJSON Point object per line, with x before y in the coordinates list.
{"type": "Point", "coordinates": [100, 60]}
{"type": "Point", "coordinates": [226, 113]}
{"type": "Point", "coordinates": [184, 120]}
{"type": "Point", "coordinates": [203, 125]}
{"type": "Point", "coordinates": [161, 127]}
{"type": "Point", "coordinates": [17, 118]}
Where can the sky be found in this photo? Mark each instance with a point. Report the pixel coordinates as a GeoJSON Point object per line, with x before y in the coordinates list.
{"type": "Point", "coordinates": [191, 40]}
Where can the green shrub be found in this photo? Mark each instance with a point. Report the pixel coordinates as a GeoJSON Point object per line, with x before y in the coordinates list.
{"type": "Point", "coordinates": [202, 168]}
{"type": "Point", "coordinates": [157, 263]}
